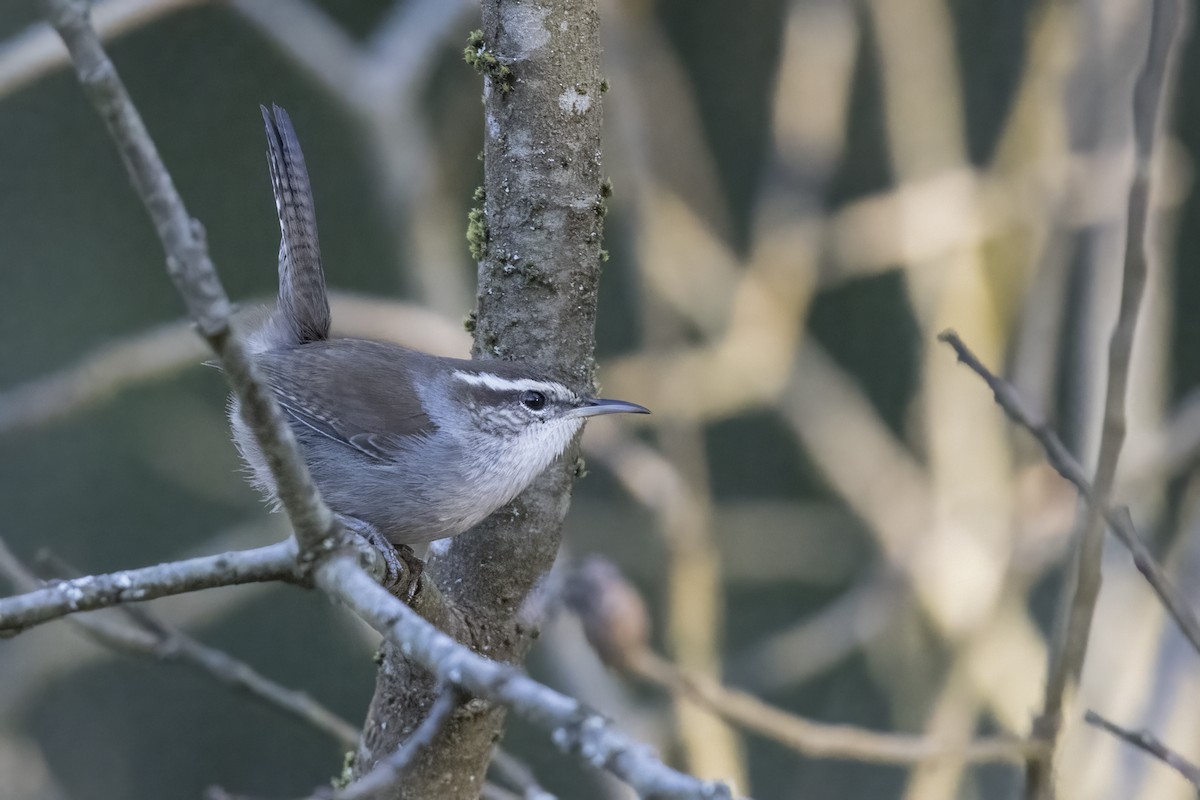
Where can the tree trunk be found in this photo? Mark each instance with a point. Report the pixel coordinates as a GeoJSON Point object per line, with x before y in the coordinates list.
{"type": "Point", "coordinates": [538, 243]}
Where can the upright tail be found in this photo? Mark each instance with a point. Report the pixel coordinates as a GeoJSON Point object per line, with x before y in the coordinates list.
{"type": "Point", "coordinates": [302, 312]}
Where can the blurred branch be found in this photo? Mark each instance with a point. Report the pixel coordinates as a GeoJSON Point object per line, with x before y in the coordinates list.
{"type": "Point", "coordinates": [518, 775]}
{"type": "Point", "coordinates": [659, 133]}
{"type": "Point", "coordinates": [1118, 518]}
{"type": "Point", "coordinates": [616, 624]}
{"type": "Point", "coordinates": [194, 275]}
{"type": "Point", "coordinates": [695, 604]}
{"type": "Point", "coordinates": [918, 220]}
{"type": "Point", "coordinates": [818, 739]}
{"type": "Point", "coordinates": [41, 663]}
{"type": "Point", "coordinates": [861, 459]}
{"type": "Point", "coordinates": [1170, 451]}
{"type": "Point", "coordinates": [100, 374]}
{"type": "Point", "coordinates": [694, 587]}
{"type": "Point", "coordinates": [319, 535]}
{"type": "Point", "coordinates": [149, 636]}
{"type": "Point", "coordinates": [878, 478]}
{"type": "Point", "coordinates": [1058, 113]}
{"type": "Point", "coordinates": [165, 349]}
{"type": "Point", "coordinates": [37, 51]}
{"type": "Point", "coordinates": [575, 728]}
{"type": "Point", "coordinates": [379, 84]}
{"type": "Point", "coordinates": [275, 562]}
{"type": "Point", "coordinates": [398, 57]}
{"type": "Point", "coordinates": [314, 42]}
{"type": "Point", "coordinates": [960, 558]}
{"type": "Point", "coordinates": [570, 665]}
{"type": "Point", "coordinates": [922, 92]}
{"type": "Point", "coordinates": [1144, 740]}
{"type": "Point", "coordinates": [493, 792]}
{"type": "Point", "coordinates": [406, 40]}
{"type": "Point", "coordinates": [815, 644]}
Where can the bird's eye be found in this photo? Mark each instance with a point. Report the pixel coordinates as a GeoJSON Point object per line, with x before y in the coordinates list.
{"type": "Point", "coordinates": [534, 401]}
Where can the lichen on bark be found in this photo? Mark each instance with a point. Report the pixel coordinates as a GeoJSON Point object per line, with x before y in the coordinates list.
{"type": "Point", "coordinates": [536, 301]}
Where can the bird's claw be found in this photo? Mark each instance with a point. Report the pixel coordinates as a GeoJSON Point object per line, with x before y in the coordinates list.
{"type": "Point", "coordinates": [416, 571]}
{"type": "Point", "coordinates": [403, 569]}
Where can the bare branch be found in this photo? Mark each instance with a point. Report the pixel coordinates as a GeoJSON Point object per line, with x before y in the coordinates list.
{"type": "Point", "coordinates": [615, 623]}
{"type": "Point", "coordinates": [820, 739]}
{"type": "Point", "coordinates": [574, 727]}
{"type": "Point", "coordinates": [174, 645]}
{"type": "Point", "coordinates": [1064, 463]}
{"type": "Point", "coordinates": [1070, 648]}
{"type": "Point", "coordinates": [1144, 740]}
{"type": "Point", "coordinates": [275, 562]}
{"type": "Point", "coordinates": [195, 277]}
{"type": "Point", "coordinates": [151, 637]}
{"type": "Point", "coordinates": [543, 312]}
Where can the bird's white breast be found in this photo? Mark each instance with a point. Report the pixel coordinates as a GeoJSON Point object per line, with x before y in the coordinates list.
{"type": "Point", "coordinates": [501, 468]}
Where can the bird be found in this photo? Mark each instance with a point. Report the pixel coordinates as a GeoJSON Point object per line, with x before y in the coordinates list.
{"type": "Point", "coordinates": [402, 445]}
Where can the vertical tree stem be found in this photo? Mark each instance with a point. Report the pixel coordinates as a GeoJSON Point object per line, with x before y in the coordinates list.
{"type": "Point", "coordinates": [538, 275]}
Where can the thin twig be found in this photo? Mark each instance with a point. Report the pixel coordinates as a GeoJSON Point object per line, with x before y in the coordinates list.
{"type": "Point", "coordinates": [819, 739]}
{"type": "Point", "coordinates": [1069, 650]}
{"type": "Point", "coordinates": [574, 727]}
{"type": "Point", "coordinates": [236, 674]}
{"type": "Point", "coordinates": [517, 774]}
{"type": "Point", "coordinates": [195, 277]}
{"type": "Point", "coordinates": [1117, 517]}
{"type": "Point", "coordinates": [275, 562]}
{"type": "Point", "coordinates": [389, 771]}
{"type": "Point", "coordinates": [154, 638]}
{"type": "Point", "coordinates": [1147, 741]}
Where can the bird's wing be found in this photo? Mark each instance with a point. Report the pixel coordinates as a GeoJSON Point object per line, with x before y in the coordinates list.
{"type": "Point", "coordinates": [354, 392]}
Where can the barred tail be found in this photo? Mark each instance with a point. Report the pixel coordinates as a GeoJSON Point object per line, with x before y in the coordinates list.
{"type": "Point", "coordinates": [302, 312]}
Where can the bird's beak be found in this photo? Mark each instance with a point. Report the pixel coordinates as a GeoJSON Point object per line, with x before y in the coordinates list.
{"type": "Point", "coordinates": [596, 406]}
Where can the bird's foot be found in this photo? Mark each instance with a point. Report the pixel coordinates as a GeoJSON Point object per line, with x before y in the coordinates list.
{"type": "Point", "coordinates": [403, 570]}
{"type": "Point", "coordinates": [416, 572]}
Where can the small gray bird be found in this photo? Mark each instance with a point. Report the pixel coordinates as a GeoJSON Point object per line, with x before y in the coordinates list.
{"type": "Point", "coordinates": [402, 444]}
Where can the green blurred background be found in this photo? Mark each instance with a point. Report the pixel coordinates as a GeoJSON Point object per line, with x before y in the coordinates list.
{"type": "Point", "coordinates": [711, 158]}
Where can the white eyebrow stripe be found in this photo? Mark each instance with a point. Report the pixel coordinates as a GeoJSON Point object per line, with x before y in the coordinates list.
{"type": "Point", "coordinates": [494, 382]}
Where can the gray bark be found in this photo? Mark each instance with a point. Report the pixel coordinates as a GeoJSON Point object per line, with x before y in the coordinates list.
{"type": "Point", "coordinates": [537, 302]}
